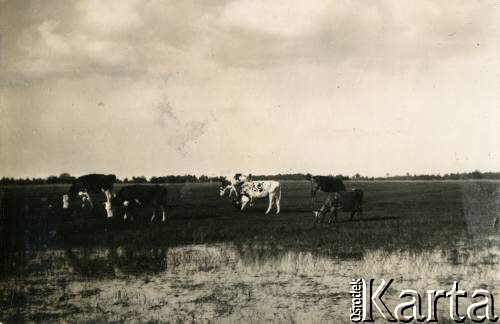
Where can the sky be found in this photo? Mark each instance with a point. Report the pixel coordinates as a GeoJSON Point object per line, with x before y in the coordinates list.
{"type": "Point", "coordinates": [214, 87]}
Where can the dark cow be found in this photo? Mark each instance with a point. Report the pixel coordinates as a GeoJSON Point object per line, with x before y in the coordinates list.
{"type": "Point", "coordinates": [82, 188]}
{"type": "Point", "coordinates": [325, 184]}
{"type": "Point", "coordinates": [346, 201]}
{"type": "Point", "coordinates": [132, 197]}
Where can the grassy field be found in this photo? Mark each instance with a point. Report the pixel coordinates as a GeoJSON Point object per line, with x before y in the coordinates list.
{"type": "Point", "coordinates": [209, 261]}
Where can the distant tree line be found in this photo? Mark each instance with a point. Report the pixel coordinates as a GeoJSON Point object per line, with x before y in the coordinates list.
{"type": "Point", "coordinates": [475, 175]}
{"type": "Point", "coordinates": [66, 178]}
{"type": "Point", "coordinates": [63, 178]}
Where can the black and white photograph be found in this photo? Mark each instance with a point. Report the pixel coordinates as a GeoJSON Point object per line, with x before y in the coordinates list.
{"type": "Point", "coordinates": [249, 161]}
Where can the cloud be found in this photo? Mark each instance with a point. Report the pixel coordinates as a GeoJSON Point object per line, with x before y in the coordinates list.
{"type": "Point", "coordinates": [110, 16]}
{"type": "Point", "coordinates": [102, 37]}
{"type": "Point", "coordinates": [265, 35]}
{"type": "Point", "coordinates": [192, 85]}
{"type": "Point", "coordinates": [280, 17]}
{"type": "Point", "coordinates": [48, 42]}
{"type": "Point", "coordinates": [123, 37]}
{"type": "Point", "coordinates": [48, 50]}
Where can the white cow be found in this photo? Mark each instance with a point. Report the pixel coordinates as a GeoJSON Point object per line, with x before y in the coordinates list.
{"type": "Point", "coordinates": [251, 190]}
{"type": "Point", "coordinates": [231, 182]}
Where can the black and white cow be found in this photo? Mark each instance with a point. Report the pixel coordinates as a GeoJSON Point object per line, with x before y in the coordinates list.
{"type": "Point", "coordinates": [83, 187]}
{"type": "Point", "coordinates": [325, 184]}
{"type": "Point", "coordinates": [346, 201]}
{"type": "Point", "coordinates": [231, 183]}
{"type": "Point", "coordinates": [251, 190]}
{"type": "Point", "coordinates": [130, 198]}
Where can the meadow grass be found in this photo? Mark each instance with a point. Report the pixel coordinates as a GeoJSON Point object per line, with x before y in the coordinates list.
{"type": "Point", "coordinates": [210, 262]}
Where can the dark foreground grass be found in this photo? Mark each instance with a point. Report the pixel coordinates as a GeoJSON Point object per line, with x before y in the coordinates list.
{"type": "Point", "coordinates": [397, 216]}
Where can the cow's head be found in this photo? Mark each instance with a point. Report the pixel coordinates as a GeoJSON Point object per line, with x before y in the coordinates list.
{"type": "Point", "coordinates": [238, 201]}
{"type": "Point", "coordinates": [241, 201]}
{"type": "Point", "coordinates": [223, 189]}
{"type": "Point", "coordinates": [86, 201]}
{"type": "Point", "coordinates": [83, 200]}
{"type": "Point", "coordinates": [226, 185]}
{"type": "Point", "coordinates": [245, 199]}
{"type": "Point", "coordinates": [115, 205]}
{"type": "Point", "coordinates": [119, 207]}
{"type": "Point", "coordinates": [318, 215]}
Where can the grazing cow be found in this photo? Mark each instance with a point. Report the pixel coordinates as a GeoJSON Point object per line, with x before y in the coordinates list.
{"type": "Point", "coordinates": [88, 184]}
{"type": "Point", "coordinates": [251, 190]}
{"type": "Point", "coordinates": [232, 182]}
{"type": "Point", "coordinates": [325, 184]}
{"type": "Point", "coordinates": [347, 201]}
{"type": "Point", "coordinates": [139, 196]}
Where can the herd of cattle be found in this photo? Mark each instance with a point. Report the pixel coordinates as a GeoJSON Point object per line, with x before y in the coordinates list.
{"type": "Point", "coordinates": [241, 188]}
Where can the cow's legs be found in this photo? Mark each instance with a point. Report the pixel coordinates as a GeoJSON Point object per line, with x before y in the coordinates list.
{"type": "Point", "coordinates": [109, 209]}
{"type": "Point", "coordinates": [65, 201]}
{"type": "Point", "coordinates": [278, 199]}
{"type": "Point", "coordinates": [133, 209]}
{"type": "Point", "coordinates": [125, 207]}
{"type": "Point", "coordinates": [271, 199]}
{"type": "Point", "coordinates": [90, 199]}
{"type": "Point", "coordinates": [109, 195]}
{"type": "Point", "coordinates": [154, 214]}
{"type": "Point", "coordinates": [314, 190]}
{"type": "Point", "coordinates": [232, 190]}
{"type": "Point", "coordinates": [163, 214]}
{"type": "Point", "coordinates": [332, 213]}
{"type": "Point", "coordinates": [243, 204]}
